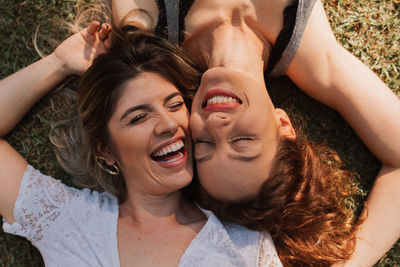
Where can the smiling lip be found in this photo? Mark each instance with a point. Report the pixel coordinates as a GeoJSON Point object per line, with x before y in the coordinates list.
{"type": "Point", "coordinates": [168, 143]}
{"type": "Point", "coordinates": [220, 106]}
{"type": "Point", "coordinates": [176, 163]}
{"type": "Point", "coordinates": [178, 160]}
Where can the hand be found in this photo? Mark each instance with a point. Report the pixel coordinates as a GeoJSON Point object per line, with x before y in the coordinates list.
{"type": "Point", "coordinates": [78, 51]}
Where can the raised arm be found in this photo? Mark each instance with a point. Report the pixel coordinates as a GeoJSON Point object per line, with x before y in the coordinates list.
{"type": "Point", "coordinates": [331, 75]}
{"type": "Point", "coordinates": [21, 90]}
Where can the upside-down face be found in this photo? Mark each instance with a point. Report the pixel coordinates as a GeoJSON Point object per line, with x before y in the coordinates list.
{"type": "Point", "coordinates": [236, 131]}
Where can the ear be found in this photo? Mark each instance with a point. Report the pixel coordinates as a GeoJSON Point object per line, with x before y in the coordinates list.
{"type": "Point", "coordinates": [106, 153]}
{"type": "Point", "coordinates": [286, 130]}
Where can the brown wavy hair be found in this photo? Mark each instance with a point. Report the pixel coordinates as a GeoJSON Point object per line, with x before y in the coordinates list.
{"type": "Point", "coordinates": [302, 205]}
{"type": "Point", "coordinates": [133, 51]}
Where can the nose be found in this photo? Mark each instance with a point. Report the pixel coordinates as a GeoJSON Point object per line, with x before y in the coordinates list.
{"type": "Point", "coordinates": [217, 123]}
{"type": "Point", "coordinates": [166, 124]}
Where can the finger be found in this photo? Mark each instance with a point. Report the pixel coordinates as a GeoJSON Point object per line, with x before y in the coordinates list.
{"type": "Point", "coordinates": [106, 27]}
{"type": "Point", "coordinates": [89, 33]}
{"type": "Point", "coordinates": [93, 27]}
{"type": "Point", "coordinates": [104, 33]}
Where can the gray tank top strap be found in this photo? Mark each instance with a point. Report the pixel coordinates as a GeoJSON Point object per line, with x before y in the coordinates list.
{"type": "Point", "coordinates": [303, 13]}
{"type": "Point", "coordinates": [172, 14]}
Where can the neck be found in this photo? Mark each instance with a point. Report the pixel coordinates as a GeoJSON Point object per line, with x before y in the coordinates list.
{"type": "Point", "coordinates": [230, 44]}
{"type": "Point", "coordinates": [153, 209]}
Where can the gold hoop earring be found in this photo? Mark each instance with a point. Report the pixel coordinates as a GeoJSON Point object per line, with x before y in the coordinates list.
{"type": "Point", "coordinates": [100, 160]}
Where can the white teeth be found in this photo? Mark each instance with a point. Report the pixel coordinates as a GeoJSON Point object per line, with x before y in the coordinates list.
{"type": "Point", "coordinates": [221, 99]}
{"type": "Point", "coordinates": [171, 148]}
{"type": "Point", "coordinates": [174, 159]}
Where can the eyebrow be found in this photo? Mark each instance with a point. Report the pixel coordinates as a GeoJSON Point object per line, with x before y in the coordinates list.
{"type": "Point", "coordinates": [147, 107]}
{"type": "Point", "coordinates": [170, 96]}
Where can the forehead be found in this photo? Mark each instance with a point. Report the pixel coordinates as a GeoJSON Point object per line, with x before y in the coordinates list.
{"type": "Point", "coordinates": [146, 87]}
{"type": "Point", "coordinates": [234, 180]}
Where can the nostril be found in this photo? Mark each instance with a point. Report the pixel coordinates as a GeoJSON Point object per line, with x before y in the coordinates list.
{"type": "Point", "coordinates": [221, 116]}
{"type": "Point", "coordinates": [217, 120]}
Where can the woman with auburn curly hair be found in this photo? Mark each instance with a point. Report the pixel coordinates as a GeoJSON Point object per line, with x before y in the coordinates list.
{"type": "Point", "coordinates": [248, 155]}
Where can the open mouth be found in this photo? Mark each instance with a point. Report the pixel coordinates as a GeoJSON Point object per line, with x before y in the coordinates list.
{"type": "Point", "coordinates": [219, 99]}
{"type": "Point", "coordinates": [170, 155]}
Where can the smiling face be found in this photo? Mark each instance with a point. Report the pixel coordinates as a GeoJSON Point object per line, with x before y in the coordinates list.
{"type": "Point", "coordinates": [150, 138]}
{"type": "Point", "coordinates": [236, 131]}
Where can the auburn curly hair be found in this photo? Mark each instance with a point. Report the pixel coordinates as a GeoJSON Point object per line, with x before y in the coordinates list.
{"type": "Point", "coordinates": [302, 205]}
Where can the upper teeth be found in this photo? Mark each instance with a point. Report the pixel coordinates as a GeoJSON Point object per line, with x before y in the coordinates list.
{"type": "Point", "coordinates": [170, 148]}
{"type": "Point", "coordinates": [221, 99]}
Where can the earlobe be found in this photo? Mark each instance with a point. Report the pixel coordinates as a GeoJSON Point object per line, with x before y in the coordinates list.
{"type": "Point", "coordinates": [107, 155]}
{"type": "Point", "coordinates": [286, 129]}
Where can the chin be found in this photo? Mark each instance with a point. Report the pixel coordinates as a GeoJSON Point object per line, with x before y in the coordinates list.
{"type": "Point", "coordinates": [183, 179]}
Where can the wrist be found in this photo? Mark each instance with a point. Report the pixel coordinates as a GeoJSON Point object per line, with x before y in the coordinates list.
{"type": "Point", "coordinates": [59, 65]}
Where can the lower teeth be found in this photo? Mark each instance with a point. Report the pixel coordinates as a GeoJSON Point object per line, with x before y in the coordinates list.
{"type": "Point", "coordinates": [174, 159]}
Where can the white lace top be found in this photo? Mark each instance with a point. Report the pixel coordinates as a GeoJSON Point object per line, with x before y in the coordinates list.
{"type": "Point", "coordinates": [72, 227]}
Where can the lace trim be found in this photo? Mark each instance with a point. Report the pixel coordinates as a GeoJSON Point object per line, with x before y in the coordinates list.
{"type": "Point", "coordinates": [39, 203]}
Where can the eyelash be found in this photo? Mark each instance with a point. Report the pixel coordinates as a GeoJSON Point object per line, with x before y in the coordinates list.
{"type": "Point", "coordinates": [176, 105]}
{"type": "Point", "coordinates": [236, 139]}
{"type": "Point", "coordinates": [137, 119]}
{"type": "Point", "coordinates": [199, 141]}
{"type": "Point", "coordinates": [140, 117]}
{"type": "Point", "coordinates": [245, 137]}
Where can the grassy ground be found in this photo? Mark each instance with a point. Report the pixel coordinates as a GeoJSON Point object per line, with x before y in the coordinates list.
{"type": "Point", "coordinates": [368, 29]}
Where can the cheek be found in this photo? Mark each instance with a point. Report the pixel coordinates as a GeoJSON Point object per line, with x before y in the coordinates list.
{"type": "Point", "coordinates": [132, 144]}
{"type": "Point", "coordinates": [263, 126]}
{"type": "Point", "coordinates": [195, 102]}
{"type": "Point", "coordinates": [183, 118]}
{"type": "Point", "coordinates": [196, 124]}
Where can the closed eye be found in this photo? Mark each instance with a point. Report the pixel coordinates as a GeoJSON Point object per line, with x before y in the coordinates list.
{"type": "Point", "coordinates": [243, 138]}
{"type": "Point", "coordinates": [177, 105]}
{"type": "Point", "coordinates": [138, 119]}
{"type": "Point", "coordinates": [202, 141]}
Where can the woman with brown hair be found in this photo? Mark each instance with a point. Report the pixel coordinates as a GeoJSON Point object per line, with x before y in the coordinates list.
{"type": "Point", "coordinates": [248, 155]}
{"type": "Point", "coordinates": [136, 147]}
